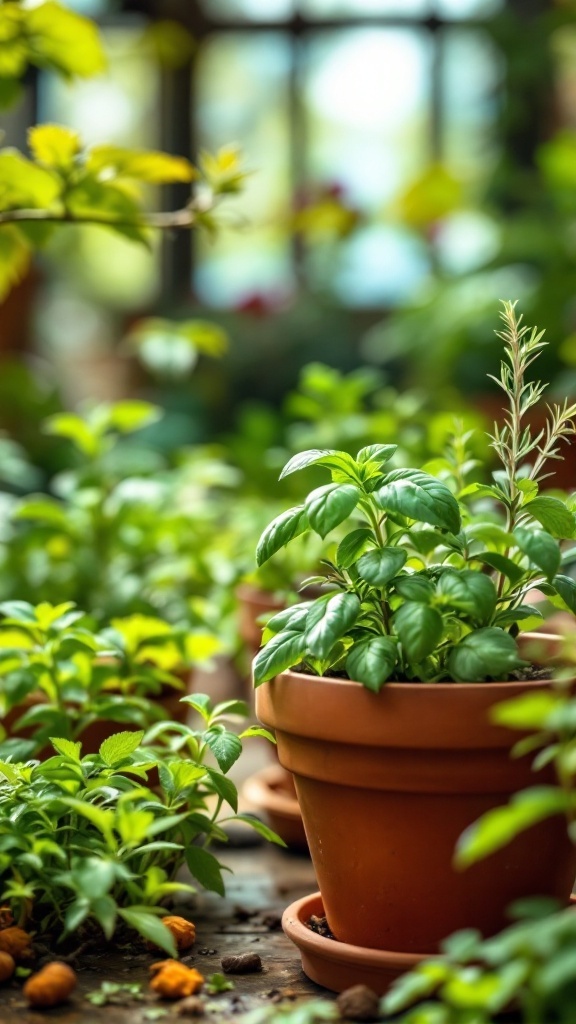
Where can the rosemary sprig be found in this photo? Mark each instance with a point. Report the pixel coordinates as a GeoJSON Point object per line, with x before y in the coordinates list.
{"type": "Point", "coordinates": [514, 441]}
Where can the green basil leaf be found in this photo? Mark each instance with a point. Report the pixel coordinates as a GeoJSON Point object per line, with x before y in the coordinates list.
{"type": "Point", "coordinates": [330, 620]}
{"type": "Point", "coordinates": [419, 628]}
{"type": "Point", "coordinates": [379, 566]}
{"type": "Point", "coordinates": [119, 746]}
{"type": "Point", "coordinates": [377, 453]}
{"type": "Point", "coordinates": [330, 505]}
{"type": "Point", "coordinates": [281, 652]}
{"type": "Point", "coordinates": [469, 591]}
{"type": "Point", "coordinates": [415, 494]}
{"type": "Point", "coordinates": [303, 459]}
{"type": "Point", "coordinates": [553, 515]}
{"type": "Point", "coordinates": [488, 653]}
{"type": "Point", "coordinates": [280, 531]}
{"type": "Point", "coordinates": [566, 588]}
{"type": "Point", "coordinates": [414, 588]}
{"type": "Point", "coordinates": [352, 546]}
{"type": "Point", "coordinates": [540, 548]}
{"type": "Point", "coordinates": [292, 618]}
{"type": "Point", "coordinates": [372, 661]}
{"type": "Point", "coordinates": [501, 564]}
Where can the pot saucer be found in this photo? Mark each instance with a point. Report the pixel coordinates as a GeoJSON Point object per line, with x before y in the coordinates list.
{"type": "Point", "coordinates": [338, 965]}
{"type": "Point", "coordinates": [271, 792]}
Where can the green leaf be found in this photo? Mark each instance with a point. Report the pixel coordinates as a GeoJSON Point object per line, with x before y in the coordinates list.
{"type": "Point", "coordinates": [469, 591]}
{"type": "Point", "coordinates": [414, 588]}
{"type": "Point", "coordinates": [352, 546]}
{"type": "Point", "coordinates": [119, 746]}
{"type": "Point", "coordinates": [224, 787]}
{"type": "Point", "coordinates": [488, 653]}
{"type": "Point", "coordinates": [380, 453]}
{"type": "Point", "coordinates": [529, 711]}
{"type": "Point", "coordinates": [260, 828]}
{"type": "Point", "coordinates": [419, 628]}
{"type": "Point", "coordinates": [67, 748]}
{"type": "Point", "coordinates": [109, 206]}
{"type": "Point", "coordinates": [201, 703]}
{"type": "Point", "coordinates": [204, 867]}
{"type": "Point", "coordinates": [540, 548]}
{"type": "Point", "coordinates": [225, 746]}
{"type": "Point", "coordinates": [566, 588]}
{"type": "Point", "coordinates": [553, 516]}
{"type": "Point", "coordinates": [280, 531]}
{"type": "Point", "coordinates": [65, 41]}
{"type": "Point", "coordinates": [23, 183]}
{"type": "Point", "coordinates": [412, 493]}
{"type": "Point", "coordinates": [328, 621]}
{"type": "Point", "coordinates": [15, 253]}
{"type": "Point", "coordinates": [67, 424]}
{"type": "Point", "coordinates": [150, 166]}
{"type": "Point", "coordinates": [330, 505]}
{"type": "Point", "coordinates": [293, 618]}
{"type": "Point", "coordinates": [151, 928]}
{"type": "Point", "coordinates": [281, 652]}
{"type": "Point", "coordinates": [54, 146]}
{"type": "Point", "coordinates": [379, 566]}
{"type": "Point", "coordinates": [501, 564]}
{"type": "Point", "coordinates": [372, 661]}
{"type": "Point", "coordinates": [499, 826]}
{"type": "Point", "coordinates": [303, 459]}
{"type": "Point", "coordinates": [129, 416]}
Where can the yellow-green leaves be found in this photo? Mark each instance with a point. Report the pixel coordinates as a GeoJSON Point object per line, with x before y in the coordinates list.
{"type": "Point", "coordinates": [54, 146]}
{"type": "Point", "coordinates": [149, 166]}
{"type": "Point", "coordinates": [223, 170]}
{"type": "Point", "coordinates": [47, 36]}
{"type": "Point", "coordinates": [171, 348]}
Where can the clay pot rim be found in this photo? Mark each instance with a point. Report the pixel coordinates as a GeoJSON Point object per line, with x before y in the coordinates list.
{"type": "Point", "coordinates": [323, 949]}
{"type": "Point", "coordinates": [264, 791]}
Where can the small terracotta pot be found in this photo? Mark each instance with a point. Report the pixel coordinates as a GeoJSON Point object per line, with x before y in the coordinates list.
{"type": "Point", "coordinates": [271, 791]}
{"type": "Point", "coordinates": [387, 783]}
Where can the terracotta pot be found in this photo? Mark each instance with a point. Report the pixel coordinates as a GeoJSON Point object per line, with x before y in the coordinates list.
{"type": "Point", "coordinates": [271, 792]}
{"type": "Point", "coordinates": [387, 783]}
{"type": "Point", "coordinates": [252, 603]}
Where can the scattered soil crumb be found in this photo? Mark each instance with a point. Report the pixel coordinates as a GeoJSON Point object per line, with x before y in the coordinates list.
{"type": "Point", "coordinates": [358, 1003]}
{"type": "Point", "coordinates": [320, 926]}
{"type": "Point", "coordinates": [193, 1006]}
{"type": "Point", "coordinates": [244, 963]}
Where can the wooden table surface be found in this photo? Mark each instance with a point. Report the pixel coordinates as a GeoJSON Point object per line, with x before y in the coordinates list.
{"type": "Point", "coordinates": [265, 880]}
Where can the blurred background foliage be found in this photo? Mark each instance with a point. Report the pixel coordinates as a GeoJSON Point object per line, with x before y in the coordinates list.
{"type": "Point", "coordinates": [411, 163]}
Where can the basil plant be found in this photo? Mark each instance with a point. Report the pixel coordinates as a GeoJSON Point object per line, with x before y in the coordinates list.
{"type": "Point", "coordinates": [430, 578]}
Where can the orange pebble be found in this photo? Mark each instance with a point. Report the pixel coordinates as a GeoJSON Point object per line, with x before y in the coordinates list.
{"type": "Point", "coordinates": [184, 932]}
{"type": "Point", "coordinates": [173, 980]}
{"type": "Point", "coordinates": [50, 986]}
{"type": "Point", "coordinates": [17, 942]}
{"type": "Point", "coordinates": [7, 967]}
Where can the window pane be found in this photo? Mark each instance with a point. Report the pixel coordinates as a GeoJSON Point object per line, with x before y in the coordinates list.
{"type": "Point", "coordinates": [367, 110]}
{"type": "Point", "coordinates": [472, 78]}
{"type": "Point", "coordinates": [468, 8]}
{"type": "Point", "coordinates": [249, 10]}
{"type": "Point", "coordinates": [243, 95]}
{"type": "Point", "coordinates": [359, 8]}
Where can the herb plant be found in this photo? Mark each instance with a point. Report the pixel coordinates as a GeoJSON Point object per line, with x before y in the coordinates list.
{"type": "Point", "coordinates": [429, 583]}
{"type": "Point", "coordinates": [86, 841]}
{"type": "Point", "coordinates": [58, 677]}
